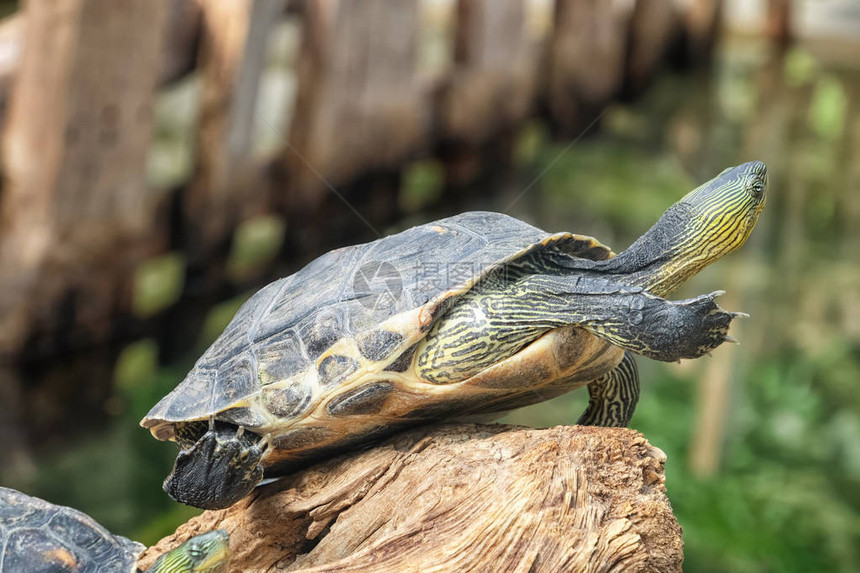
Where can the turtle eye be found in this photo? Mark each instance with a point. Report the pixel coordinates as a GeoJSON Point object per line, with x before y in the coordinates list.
{"type": "Point", "coordinates": [195, 551]}
{"type": "Point", "coordinates": [757, 188]}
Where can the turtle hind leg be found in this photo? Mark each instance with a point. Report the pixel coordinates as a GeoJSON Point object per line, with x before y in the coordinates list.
{"type": "Point", "coordinates": [613, 396]}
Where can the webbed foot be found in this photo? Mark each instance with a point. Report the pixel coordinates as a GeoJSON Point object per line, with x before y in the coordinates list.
{"type": "Point", "coordinates": [687, 329]}
{"type": "Point", "coordinates": [221, 468]}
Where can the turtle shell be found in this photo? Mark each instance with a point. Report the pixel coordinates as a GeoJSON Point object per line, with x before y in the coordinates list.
{"type": "Point", "coordinates": [39, 536]}
{"type": "Point", "coordinates": [282, 331]}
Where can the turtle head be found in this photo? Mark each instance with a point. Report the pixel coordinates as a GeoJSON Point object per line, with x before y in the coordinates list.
{"type": "Point", "coordinates": [711, 221]}
{"type": "Point", "coordinates": [206, 553]}
{"type": "Point", "coordinates": [725, 209]}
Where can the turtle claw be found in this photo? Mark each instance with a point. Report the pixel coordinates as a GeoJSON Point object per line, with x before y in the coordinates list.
{"type": "Point", "coordinates": [264, 442]}
{"type": "Point", "coordinates": [731, 339]}
{"type": "Point", "coordinates": [240, 431]}
{"type": "Point", "coordinates": [689, 329]}
{"type": "Point", "coordinates": [211, 423]}
{"type": "Point", "coordinates": [740, 315]}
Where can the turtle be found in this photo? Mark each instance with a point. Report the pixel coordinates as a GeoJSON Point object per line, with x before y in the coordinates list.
{"type": "Point", "coordinates": [36, 535]}
{"type": "Point", "coordinates": [468, 315]}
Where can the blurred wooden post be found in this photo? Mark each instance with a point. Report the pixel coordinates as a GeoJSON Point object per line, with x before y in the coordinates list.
{"type": "Point", "coordinates": [778, 24]}
{"type": "Point", "coordinates": [75, 202]}
{"type": "Point", "coordinates": [492, 81]}
{"type": "Point", "coordinates": [235, 37]}
{"type": "Point", "coordinates": [489, 89]}
{"type": "Point", "coordinates": [653, 26]}
{"type": "Point", "coordinates": [359, 107]}
{"type": "Point", "coordinates": [184, 19]}
{"type": "Point", "coordinates": [702, 20]}
{"type": "Point", "coordinates": [712, 407]}
{"type": "Point", "coordinates": [179, 55]}
{"type": "Point", "coordinates": [586, 60]}
{"type": "Point", "coordinates": [715, 391]}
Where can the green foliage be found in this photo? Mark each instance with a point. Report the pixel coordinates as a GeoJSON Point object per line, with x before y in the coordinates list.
{"type": "Point", "coordinates": [641, 185]}
{"type": "Point", "coordinates": [781, 501]}
{"type": "Point", "coordinates": [170, 161]}
{"type": "Point", "coordinates": [116, 476]}
{"type": "Point", "coordinates": [828, 109]}
{"type": "Point", "coordinates": [136, 364]}
{"type": "Point", "coordinates": [256, 242]}
{"type": "Point", "coordinates": [158, 283]}
{"type": "Point", "coordinates": [422, 185]}
{"type": "Point", "coordinates": [529, 142]}
{"type": "Point", "coordinates": [800, 67]}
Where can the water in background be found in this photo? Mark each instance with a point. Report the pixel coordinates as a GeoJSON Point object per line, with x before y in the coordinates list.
{"type": "Point", "coordinates": [763, 439]}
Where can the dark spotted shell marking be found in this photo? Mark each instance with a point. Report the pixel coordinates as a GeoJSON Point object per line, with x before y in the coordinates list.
{"type": "Point", "coordinates": [281, 356]}
{"type": "Point", "coordinates": [286, 402]}
{"type": "Point", "coordinates": [375, 345]}
{"type": "Point", "coordinates": [402, 362]}
{"type": "Point", "coordinates": [365, 399]}
{"type": "Point", "coordinates": [333, 369]}
{"type": "Point", "coordinates": [323, 330]}
{"type": "Point", "coordinates": [243, 416]}
{"type": "Point", "coordinates": [303, 438]}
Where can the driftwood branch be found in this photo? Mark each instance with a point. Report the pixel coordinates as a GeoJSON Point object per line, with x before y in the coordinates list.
{"type": "Point", "coordinates": [462, 498]}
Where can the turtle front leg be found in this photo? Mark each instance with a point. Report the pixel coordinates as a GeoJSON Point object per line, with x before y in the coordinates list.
{"type": "Point", "coordinates": [667, 330]}
{"type": "Point", "coordinates": [613, 396]}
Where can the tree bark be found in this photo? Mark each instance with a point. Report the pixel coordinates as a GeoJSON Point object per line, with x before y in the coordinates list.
{"type": "Point", "coordinates": [461, 497]}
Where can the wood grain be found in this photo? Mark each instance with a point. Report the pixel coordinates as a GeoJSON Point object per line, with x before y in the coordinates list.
{"type": "Point", "coordinates": [462, 497]}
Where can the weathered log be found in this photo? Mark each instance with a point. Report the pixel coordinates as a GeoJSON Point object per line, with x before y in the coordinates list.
{"type": "Point", "coordinates": [462, 497]}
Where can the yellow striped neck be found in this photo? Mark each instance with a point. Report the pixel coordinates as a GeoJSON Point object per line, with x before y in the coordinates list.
{"type": "Point", "coordinates": [709, 222]}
